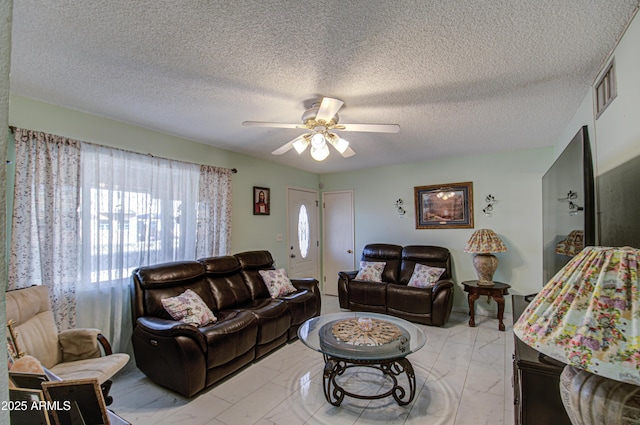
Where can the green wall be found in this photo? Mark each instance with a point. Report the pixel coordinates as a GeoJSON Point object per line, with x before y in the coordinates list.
{"type": "Point", "coordinates": [248, 231]}
{"type": "Point", "coordinates": [513, 178]}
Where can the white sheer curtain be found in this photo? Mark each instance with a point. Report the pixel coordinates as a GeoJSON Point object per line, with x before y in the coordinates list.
{"type": "Point", "coordinates": [138, 210]}
{"type": "Point", "coordinates": [45, 223]}
{"type": "Point", "coordinates": [86, 215]}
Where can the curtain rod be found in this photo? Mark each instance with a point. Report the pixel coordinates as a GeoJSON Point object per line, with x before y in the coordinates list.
{"type": "Point", "coordinates": [13, 131]}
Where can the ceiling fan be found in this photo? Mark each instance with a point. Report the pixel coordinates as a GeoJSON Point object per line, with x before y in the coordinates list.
{"type": "Point", "coordinates": [322, 121]}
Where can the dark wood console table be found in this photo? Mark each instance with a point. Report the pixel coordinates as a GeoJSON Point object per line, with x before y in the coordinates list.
{"type": "Point", "coordinates": [536, 392]}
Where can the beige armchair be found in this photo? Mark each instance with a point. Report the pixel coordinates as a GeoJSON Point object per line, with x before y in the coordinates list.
{"type": "Point", "coordinates": [70, 354]}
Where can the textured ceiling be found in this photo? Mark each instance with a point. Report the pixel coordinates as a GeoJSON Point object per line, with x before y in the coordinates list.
{"type": "Point", "coordinates": [459, 77]}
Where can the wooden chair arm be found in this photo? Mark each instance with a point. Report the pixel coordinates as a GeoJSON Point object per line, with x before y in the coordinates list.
{"type": "Point", "coordinates": [105, 344]}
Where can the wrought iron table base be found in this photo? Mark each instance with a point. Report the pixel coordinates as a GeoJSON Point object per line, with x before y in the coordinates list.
{"type": "Point", "coordinates": [334, 367]}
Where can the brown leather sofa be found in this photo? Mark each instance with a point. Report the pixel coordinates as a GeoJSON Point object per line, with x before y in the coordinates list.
{"type": "Point", "coordinates": [250, 324]}
{"type": "Point", "coordinates": [430, 306]}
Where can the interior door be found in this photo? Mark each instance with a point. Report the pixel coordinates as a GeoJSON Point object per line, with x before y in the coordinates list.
{"type": "Point", "coordinates": [338, 242]}
{"type": "Point", "coordinates": [304, 241]}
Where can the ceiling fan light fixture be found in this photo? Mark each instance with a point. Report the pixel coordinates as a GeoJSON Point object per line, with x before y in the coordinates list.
{"type": "Point", "coordinates": [319, 153]}
{"type": "Point", "coordinates": [318, 140]}
{"type": "Point", "coordinates": [319, 120]}
{"type": "Point", "coordinates": [300, 145]}
{"type": "Point", "coordinates": [339, 143]}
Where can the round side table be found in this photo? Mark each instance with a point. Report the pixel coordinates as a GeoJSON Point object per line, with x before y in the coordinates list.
{"type": "Point", "coordinates": [497, 292]}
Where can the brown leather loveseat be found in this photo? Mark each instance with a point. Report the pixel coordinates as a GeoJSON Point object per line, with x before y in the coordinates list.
{"type": "Point", "coordinates": [250, 324]}
{"type": "Point", "coordinates": [430, 306]}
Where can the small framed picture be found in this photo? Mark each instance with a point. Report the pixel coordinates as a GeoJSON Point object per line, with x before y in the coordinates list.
{"type": "Point", "coordinates": [261, 200]}
{"type": "Point", "coordinates": [28, 380]}
{"type": "Point", "coordinates": [26, 407]}
{"type": "Point", "coordinates": [444, 206]}
{"type": "Point", "coordinates": [76, 401]}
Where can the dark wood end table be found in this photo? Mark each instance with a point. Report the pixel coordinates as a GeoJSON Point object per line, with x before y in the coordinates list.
{"type": "Point", "coordinates": [497, 292]}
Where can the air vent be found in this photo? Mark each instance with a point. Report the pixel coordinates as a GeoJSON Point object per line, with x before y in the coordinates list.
{"type": "Point", "coordinates": [606, 89]}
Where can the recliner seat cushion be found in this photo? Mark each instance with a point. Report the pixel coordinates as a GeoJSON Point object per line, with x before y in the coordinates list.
{"type": "Point", "coordinates": [234, 334]}
{"type": "Point", "coordinates": [273, 317]}
{"type": "Point", "coordinates": [367, 293]}
{"type": "Point", "coordinates": [302, 305]}
{"type": "Point", "coordinates": [409, 299]}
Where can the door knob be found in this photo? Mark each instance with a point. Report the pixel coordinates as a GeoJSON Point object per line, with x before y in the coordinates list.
{"type": "Point", "coordinates": [349, 251]}
{"type": "Point", "coordinates": [293, 255]}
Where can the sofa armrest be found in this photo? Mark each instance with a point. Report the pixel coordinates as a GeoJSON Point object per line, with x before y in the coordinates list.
{"type": "Point", "coordinates": [343, 291]}
{"type": "Point", "coordinates": [172, 328]}
{"type": "Point", "coordinates": [441, 302]}
{"type": "Point", "coordinates": [79, 344]}
{"type": "Point", "coordinates": [348, 275]}
{"type": "Point", "coordinates": [442, 285]}
{"type": "Point", "coordinates": [311, 285]}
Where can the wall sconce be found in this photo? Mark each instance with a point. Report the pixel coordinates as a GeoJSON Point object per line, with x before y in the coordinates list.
{"type": "Point", "coordinates": [491, 201]}
{"type": "Point", "coordinates": [573, 207]}
{"type": "Point", "coordinates": [571, 195]}
{"type": "Point", "coordinates": [399, 207]}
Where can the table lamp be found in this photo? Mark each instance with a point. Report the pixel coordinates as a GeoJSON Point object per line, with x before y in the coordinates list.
{"type": "Point", "coordinates": [482, 243]}
{"type": "Point", "coordinates": [588, 317]}
{"type": "Point", "coordinates": [572, 244]}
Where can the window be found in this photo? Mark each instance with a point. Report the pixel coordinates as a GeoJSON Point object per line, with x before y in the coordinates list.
{"type": "Point", "coordinates": [606, 90]}
{"type": "Point", "coordinates": [303, 231]}
{"type": "Point", "coordinates": [135, 210]}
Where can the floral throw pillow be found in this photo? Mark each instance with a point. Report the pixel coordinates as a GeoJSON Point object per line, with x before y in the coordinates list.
{"type": "Point", "coordinates": [189, 308]}
{"type": "Point", "coordinates": [425, 276]}
{"type": "Point", "coordinates": [370, 271]}
{"type": "Point", "coordinates": [277, 282]}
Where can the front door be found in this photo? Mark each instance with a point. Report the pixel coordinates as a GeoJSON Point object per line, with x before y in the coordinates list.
{"type": "Point", "coordinates": [304, 243]}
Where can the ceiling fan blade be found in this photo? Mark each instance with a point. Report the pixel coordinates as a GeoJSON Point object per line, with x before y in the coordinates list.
{"type": "Point", "coordinates": [372, 128]}
{"type": "Point", "coordinates": [328, 109]}
{"type": "Point", "coordinates": [271, 124]}
{"type": "Point", "coordinates": [287, 146]}
{"type": "Point", "coordinates": [348, 153]}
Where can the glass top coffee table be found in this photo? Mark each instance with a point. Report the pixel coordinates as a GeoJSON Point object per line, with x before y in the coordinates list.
{"type": "Point", "coordinates": [359, 339]}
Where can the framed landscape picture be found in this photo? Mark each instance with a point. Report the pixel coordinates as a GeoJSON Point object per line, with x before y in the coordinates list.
{"type": "Point", "coordinates": [444, 206]}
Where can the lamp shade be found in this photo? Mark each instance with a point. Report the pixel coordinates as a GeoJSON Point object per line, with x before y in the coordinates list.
{"type": "Point", "coordinates": [588, 314]}
{"type": "Point", "coordinates": [484, 241]}
{"type": "Point", "coordinates": [572, 244]}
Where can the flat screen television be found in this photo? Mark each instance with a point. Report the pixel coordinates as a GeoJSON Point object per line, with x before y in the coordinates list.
{"type": "Point", "coordinates": [568, 205]}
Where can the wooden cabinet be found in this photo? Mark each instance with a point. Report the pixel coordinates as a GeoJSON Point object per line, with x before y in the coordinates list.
{"type": "Point", "coordinates": [535, 382]}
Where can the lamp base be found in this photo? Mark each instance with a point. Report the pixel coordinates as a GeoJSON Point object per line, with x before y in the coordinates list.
{"type": "Point", "coordinates": [595, 400]}
{"type": "Point", "coordinates": [485, 265]}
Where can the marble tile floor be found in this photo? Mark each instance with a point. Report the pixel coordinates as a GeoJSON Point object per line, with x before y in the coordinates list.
{"type": "Point", "coordinates": [463, 377]}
